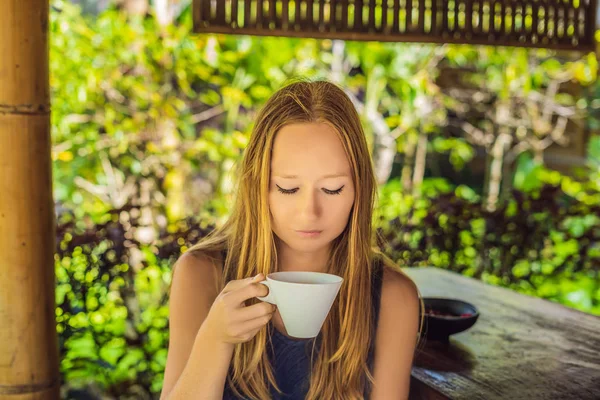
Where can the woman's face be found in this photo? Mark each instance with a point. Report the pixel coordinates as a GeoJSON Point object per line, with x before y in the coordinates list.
{"type": "Point", "coordinates": [311, 191]}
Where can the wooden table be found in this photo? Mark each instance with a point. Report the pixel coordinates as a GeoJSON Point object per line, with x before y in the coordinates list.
{"type": "Point", "coordinates": [521, 347]}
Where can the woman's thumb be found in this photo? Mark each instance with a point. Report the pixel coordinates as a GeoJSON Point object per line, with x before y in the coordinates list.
{"type": "Point", "coordinates": [258, 277]}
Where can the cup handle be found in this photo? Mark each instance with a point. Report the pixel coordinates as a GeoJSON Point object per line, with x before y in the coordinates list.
{"type": "Point", "coordinates": [268, 298]}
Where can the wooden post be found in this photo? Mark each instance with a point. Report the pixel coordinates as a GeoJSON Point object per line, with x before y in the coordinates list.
{"type": "Point", "coordinates": [28, 340]}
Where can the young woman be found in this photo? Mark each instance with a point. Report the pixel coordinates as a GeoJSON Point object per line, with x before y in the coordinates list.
{"type": "Point", "coordinates": [304, 203]}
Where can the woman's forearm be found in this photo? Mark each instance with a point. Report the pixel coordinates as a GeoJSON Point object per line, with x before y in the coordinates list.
{"type": "Point", "coordinates": [204, 375]}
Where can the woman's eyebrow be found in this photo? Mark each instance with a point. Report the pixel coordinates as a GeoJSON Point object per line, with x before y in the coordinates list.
{"type": "Point", "coordinates": [323, 177]}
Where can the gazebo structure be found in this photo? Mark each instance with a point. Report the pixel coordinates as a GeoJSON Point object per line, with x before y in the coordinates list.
{"type": "Point", "coordinates": [28, 341]}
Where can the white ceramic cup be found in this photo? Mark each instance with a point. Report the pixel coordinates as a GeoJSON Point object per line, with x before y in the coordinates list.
{"type": "Point", "coordinates": [302, 298]}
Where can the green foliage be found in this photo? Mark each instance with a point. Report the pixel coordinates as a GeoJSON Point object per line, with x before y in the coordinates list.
{"type": "Point", "coordinates": [544, 242]}
{"type": "Point", "coordinates": [112, 307]}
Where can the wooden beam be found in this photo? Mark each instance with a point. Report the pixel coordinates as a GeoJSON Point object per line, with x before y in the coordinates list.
{"type": "Point", "coordinates": [28, 339]}
{"type": "Point", "coordinates": [478, 22]}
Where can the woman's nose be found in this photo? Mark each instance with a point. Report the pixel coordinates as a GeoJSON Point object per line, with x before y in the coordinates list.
{"type": "Point", "coordinates": [309, 204]}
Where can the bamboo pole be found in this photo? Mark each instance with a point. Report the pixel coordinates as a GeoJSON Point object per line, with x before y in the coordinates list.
{"type": "Point", "coordinates": [28, 340]}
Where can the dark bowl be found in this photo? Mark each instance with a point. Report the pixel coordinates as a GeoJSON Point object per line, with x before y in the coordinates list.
{"type": "Point", "coordinates": [456, 316]}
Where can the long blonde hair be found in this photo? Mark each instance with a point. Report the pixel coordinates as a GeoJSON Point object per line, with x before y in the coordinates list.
{"type": "Point", "coordinates": [340, 368]}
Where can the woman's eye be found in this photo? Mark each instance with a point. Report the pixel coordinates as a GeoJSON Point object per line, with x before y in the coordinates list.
{"type": "Point", "coordinates": [286, 191]}
{"type": "Point", "coordinates": [292, 191]}
{"type": "Point", "coordinates": [337, 191]}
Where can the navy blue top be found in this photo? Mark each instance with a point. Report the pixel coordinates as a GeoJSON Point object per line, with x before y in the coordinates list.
{"type": "Point", "coordinates": [291, 358]}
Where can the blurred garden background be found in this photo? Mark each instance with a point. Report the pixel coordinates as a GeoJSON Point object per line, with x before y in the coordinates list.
{"type": "Point", "coordinates": [488, 160]}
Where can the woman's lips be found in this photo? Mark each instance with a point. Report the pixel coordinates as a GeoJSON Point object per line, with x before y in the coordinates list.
{"type": "Point", "coordinates": [309, 234]}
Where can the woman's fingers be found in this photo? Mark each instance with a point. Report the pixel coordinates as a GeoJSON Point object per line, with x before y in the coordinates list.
{"type": "Point", "coordinates": [256, 311]}
{"type": "Point", "coordinates": [235, 285]}
{"type": "Point", "coordinates": [248, 291]}
{"type": "Point", "coordinates": [254, 325]}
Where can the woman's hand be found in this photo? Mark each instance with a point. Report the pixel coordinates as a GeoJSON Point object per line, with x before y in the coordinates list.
{"type": "Point", "coordinates": [230, 320]}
